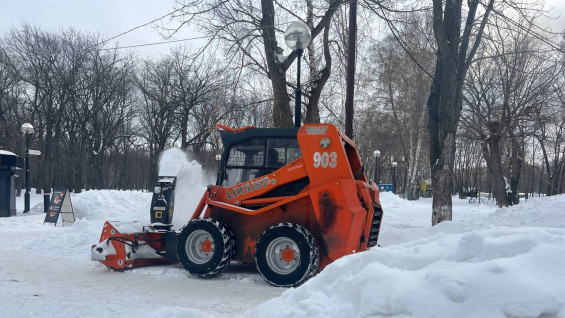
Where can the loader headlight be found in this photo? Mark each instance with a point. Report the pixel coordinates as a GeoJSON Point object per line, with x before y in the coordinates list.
{"type": "Point", "coordinates": [157, 190]}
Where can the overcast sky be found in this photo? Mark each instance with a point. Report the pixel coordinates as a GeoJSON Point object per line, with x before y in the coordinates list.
{"type": "Point", "coordinates": [106, 17]}
{"type": "Point", "coordinates": [111, 17]}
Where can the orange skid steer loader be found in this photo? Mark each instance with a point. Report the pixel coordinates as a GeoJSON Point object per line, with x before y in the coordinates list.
{"type": "Point", "coordinates": [290, 200]}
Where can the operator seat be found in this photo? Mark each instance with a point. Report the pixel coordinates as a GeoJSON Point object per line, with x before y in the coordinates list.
{"type": "Point", "coordinates": [273, 159]}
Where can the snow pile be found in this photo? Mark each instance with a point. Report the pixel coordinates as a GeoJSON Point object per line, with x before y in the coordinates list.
{"type": "Point", "coordinates": [92, 209]}
{"type": "Point", "coordinates": [509, 271]}
{"type": "Point", "coordinates": [392, 201]}
{"type": "Point", "coordinates": [112, 205]}
{"type": "Point", "coordinates": [539, 212]}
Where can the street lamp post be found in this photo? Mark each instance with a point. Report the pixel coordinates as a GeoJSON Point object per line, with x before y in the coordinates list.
{"type": "Point", "coordinates": [394, 164]}
{"type": "Point", "coordinates": [376, 154]}
{"type": "Point", "coordinates": [218, 158]}
{"type": "Point", "coordinates": [27, 129]}
{"type": "Point", "coordinates": [297, 36]}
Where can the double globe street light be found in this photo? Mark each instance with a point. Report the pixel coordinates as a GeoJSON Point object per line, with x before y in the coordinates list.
{"type": "Point", "coordinates": [297, 37]}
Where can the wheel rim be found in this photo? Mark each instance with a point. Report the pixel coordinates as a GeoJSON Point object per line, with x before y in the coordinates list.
{"type": "Point", "coordinates": [283, 256]}
{"type": "Point", "coordinates": [199, 247]}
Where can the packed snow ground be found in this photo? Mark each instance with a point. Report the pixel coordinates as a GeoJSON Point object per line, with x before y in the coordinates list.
{"type": "Point", "coordinates": [487, 262]}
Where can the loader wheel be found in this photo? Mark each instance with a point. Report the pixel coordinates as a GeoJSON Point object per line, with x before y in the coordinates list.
{"type": "Point", "coordinates": [286, 255]}
{"type": "Point", "coordinates": [205, 247]}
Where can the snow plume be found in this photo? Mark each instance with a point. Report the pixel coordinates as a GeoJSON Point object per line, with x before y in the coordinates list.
{"type": "Point", "coordinates": [191, 182]}
{"type": "Point", "coordinates": [171, 161]}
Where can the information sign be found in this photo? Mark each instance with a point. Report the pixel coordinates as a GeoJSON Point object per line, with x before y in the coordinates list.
{"type": "Point", "coordinates": [60, 204]}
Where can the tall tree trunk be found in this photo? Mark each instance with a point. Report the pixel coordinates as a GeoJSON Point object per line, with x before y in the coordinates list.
{"type": "Point", "coordinates": [184, 130]}
{"type": "Point", "coordinates": [79, 181]}
{"type": "Point", "coordinates": [445, 100]}
{"type": "Point", "coordinates": [413, 192]}
{"type": "Point", "coordinates": [444, 109]}
{"type": "Point", "coordinates": [516, 164]}
{"type": "Point", "coordinates": [318, 81]}
{"type": "Point", "coordinates": [491, 153]}
{"type": "Point", "coordinates": [153, 166]}
{"type": "Point", "coordinates": [545, 161]}
{"type": "Point", "coordinates": [318, 78]}
{"type": "Point", "coordinates": [282, 116]}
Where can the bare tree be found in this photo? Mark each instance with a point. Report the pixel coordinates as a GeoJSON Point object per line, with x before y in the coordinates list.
{"type": "Point", "coordinates": [106, 104]}
{"type": "Point", "coordinates": [48, 64]}
{"type": "Point", "coordinates": [195, 80]}
{"type": "Point", "coordinates": [158, 106]}
{"type": "Point", "coordinates": [402, 83]}
{"type": "Point", "coordinates": [445, 100]}
{"type": "Point", "coordinates": [550, 132]}
{"type": "Point", "coordinates": [507, 85]}
{"type": "Point", "coordinates": [10, 103]}
{"type": "Point", "coordinates": [249, 30]}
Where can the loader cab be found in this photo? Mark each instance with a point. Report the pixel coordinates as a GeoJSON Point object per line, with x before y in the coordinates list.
{"type": "Point", "coordinates": [255, 152]}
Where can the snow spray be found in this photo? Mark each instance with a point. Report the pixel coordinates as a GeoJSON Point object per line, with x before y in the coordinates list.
{"type": "Point", "coordinates": [191, 182]}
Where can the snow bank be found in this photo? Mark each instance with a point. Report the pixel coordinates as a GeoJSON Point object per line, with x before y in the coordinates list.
{"type": "Point", "coordinates": [92, 209]}
{"type": "Point", "coordinates": [480, 274]}
{"type": "Point", "coordinates": [539, 212]}
{"type": "Point", "coordinates": [112, 205]}
{"type": "Point", "coordinates": [392, 201]}
{"type": "Point", "coordinates": [505, 271]}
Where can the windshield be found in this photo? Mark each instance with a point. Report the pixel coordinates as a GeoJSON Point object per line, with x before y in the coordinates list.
{"type": "Point", "coordinates": [256, 157]}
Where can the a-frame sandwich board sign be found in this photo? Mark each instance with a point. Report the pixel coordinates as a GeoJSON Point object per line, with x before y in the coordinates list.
{"type": "Point", "coordinates": [60, 204]}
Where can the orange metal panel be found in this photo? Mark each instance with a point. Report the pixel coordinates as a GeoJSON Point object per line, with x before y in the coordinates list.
{"type": "Point", "coordinates": [125, 256]}
{"type": "Point", "coordinates": [256, 187]}
{"type": "Point", "coordinates": [340, 216]}
{"type": "Point", "coordinates": [246, 211]}
{"type": "Point", "coordinates": [323, 153]}
{"type": "Point", "coordinates": [262, 201]}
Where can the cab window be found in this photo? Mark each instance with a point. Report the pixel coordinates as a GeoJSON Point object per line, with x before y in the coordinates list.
{"type": "Point", "coordinates": [253, 158]}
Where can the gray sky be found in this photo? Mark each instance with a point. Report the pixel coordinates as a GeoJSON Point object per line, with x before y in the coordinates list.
{"type": "Point", "coordinates": [111, 17]}
{"type": "Point", "coordinates": [106, 17]}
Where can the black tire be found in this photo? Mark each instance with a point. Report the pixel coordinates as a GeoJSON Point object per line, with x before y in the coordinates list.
{"type": "Point", "coordinates": [298, 244]}
{"type": "Point", "coordinates": [205, 247]}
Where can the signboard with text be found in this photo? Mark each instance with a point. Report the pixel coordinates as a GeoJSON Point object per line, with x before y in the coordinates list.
{"type": "Point", "coordinates": [60, 204]}
{"type": "Point", "coordinates": [386, 188]}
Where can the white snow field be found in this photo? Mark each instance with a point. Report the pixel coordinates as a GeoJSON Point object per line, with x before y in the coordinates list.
{"type": "Point", "coordinates": [487, 262]}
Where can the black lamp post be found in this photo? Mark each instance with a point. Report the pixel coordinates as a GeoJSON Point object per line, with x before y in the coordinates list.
{"type": "Point", "coordinates": [27, 129]}
{"type": "Point", "coordinates": [394, 164]}
{"type": "Point", "coordinates": [218, 158]}
{"type": "Point", "coordinates": [376, 154]}
{"type": "Point", "coordinates": [297, 36]}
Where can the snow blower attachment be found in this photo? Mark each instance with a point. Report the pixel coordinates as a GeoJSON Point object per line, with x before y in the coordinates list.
{"type": "Point", "coordinates": [290, 200]}
{"type": "Point", "coordinates": [163, 201]}
{"type": "Point", "coordinates": [126, 244]}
